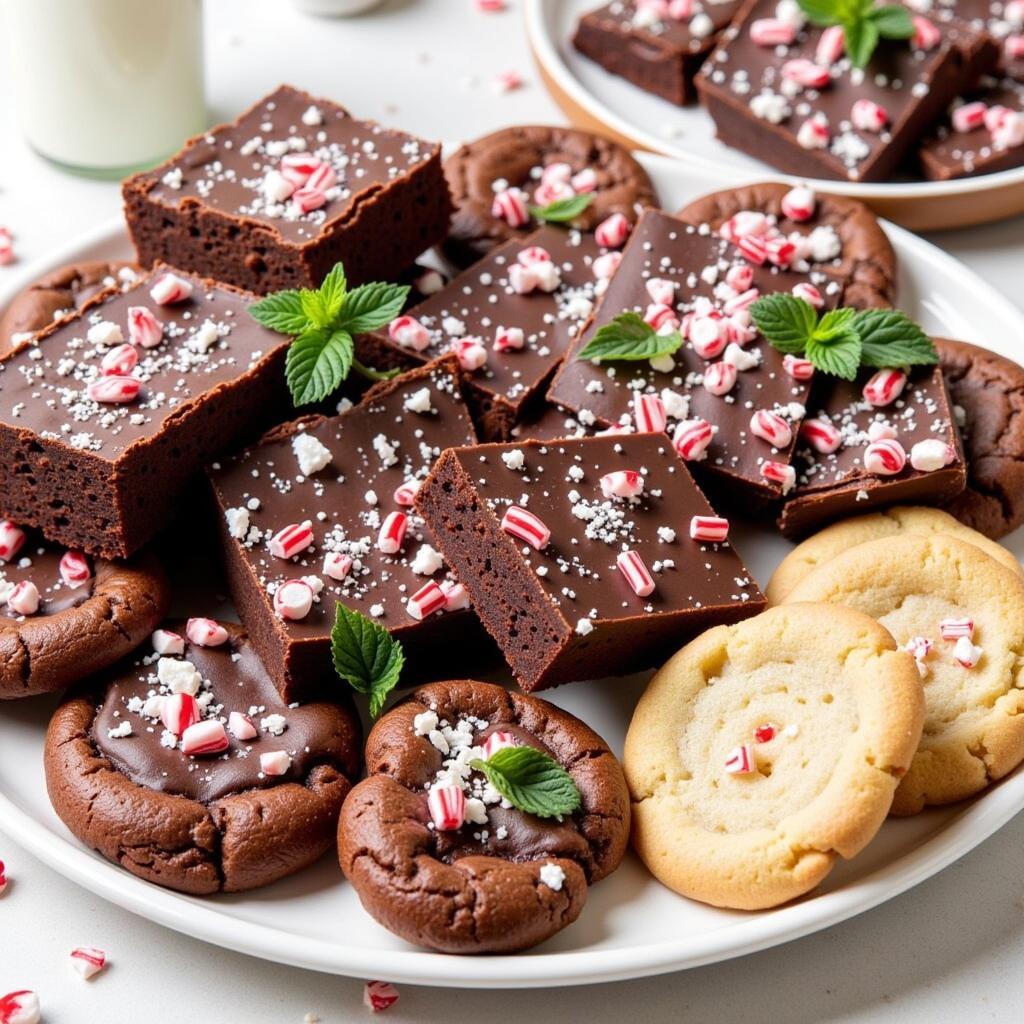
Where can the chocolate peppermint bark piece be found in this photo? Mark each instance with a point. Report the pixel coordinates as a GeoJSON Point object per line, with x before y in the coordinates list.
{"type": "Point", "coordinates": [580, 556]}
{"type": "Point", "coordinates": [185, 767]}
{"type": "Point", "coordinates": [547, 422]}
{"type": "Point", "coordinates": [509, 319]}
{"type": "Point", "coordinates": [788, 93]}
{"type": "Point", "coordinates": [888, 437]}
{"type": "Point", "coordinates": [1002, 19]}
{"type": "Point", "coordinates": [731, 402]}
{"type": "Point", "coordinates": [106, 417]}
{"type": "Point", "coordinates": [320, 511]}
{"type": "Point", "coordinates": [658, 46]}
{"type": "Point", "coordinates": [294, 185]}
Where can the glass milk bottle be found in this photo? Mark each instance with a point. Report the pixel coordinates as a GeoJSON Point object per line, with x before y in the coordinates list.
{"type": "Point", "coordinates": [107, 86]}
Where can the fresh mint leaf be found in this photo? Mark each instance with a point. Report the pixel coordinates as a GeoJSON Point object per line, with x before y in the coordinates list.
{"type": "Point", "coordinates": [892, 22]}
{"type": "Point", "coordinates": [786, 322]}
{"type": "Point", "coordinates": [890, 338]}
{"type": "Point", "coordinates": [314, 308]}
{"type": "Point", "coordinates": [835, 325]}
{"type": "Point", "coordinates": [281, 312]}
{"type": "Point", "coordinates": [371, 306]}
{"type": "Point", "coordinates": [562, 211]}
{"type": "Point", "coordinates": [821, 12]}
{"type": "Point", "coordinates": [839, 356]}
{"type": "Point", "coordinates": [317, 362]}
{"type": "Point", "coordinates": [332, 291]}
{"type": "Point", "coordinates": [861, 39]}
{"type": "Point", "coordinates": [365, 655]}
{"type": "Point", "coordinates": [531, 781]}
{"type": "Point", "coordinates": [629, 337]}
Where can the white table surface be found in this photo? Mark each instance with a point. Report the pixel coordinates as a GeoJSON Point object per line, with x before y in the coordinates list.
{"type": "Point", "coordinates": [951, 949]}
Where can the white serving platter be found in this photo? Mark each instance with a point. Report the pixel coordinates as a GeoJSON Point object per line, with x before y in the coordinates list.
{"type": "Point", "coordinates": [593, 98]}
{"type": "Point", "coordinates": [631, 925]}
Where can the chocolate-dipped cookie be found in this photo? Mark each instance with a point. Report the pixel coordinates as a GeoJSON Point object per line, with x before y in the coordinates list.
{"type": "Point", "coordinates": [64, 616]}
{"type": "Point", "coordinates": [503, 880]}
{"type": "Point", "coordinates": [185, 767]}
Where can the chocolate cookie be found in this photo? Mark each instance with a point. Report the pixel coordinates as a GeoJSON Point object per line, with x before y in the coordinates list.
{"type": "Point", "coordinates": [516, 159]}
{"type": "Point", "coordinates": [187, 769]}
{"type": "Point", "coordinates": [61, 291]}
{"type": "Point", "coordinates": [64, 616]}
{"type": "Point", "coordinates": [843, 235]}
{"type": "Point", "coordinates": [990, 392]}
{"type": "Point", "coordinates": [503, 880]}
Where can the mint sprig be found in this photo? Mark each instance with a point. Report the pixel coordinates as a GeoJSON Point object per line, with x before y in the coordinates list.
{"type": "Point", "coordinates": [366, 656]}
{"type": "Point", "coordinates": [531, 781]}
{"type": "Point", "coordinates": [863, 23]}
{"type": "Point", "coordinates": [843, 340]}
{"type": "Point", "coordinates": [562, 211]}
{"type": "Point", "coordinates": [323, 321]}
{"type": "Point", "coordinates": [628, 336]}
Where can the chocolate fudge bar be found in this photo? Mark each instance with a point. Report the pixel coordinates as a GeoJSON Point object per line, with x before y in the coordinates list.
{"type": "Point", "coordinates": [668, 259]}
{"type": "Point", "coordinates": [789, 96]}
{"type": "Point", "coordinates": [577, 554]}
{"type": "Point", "coordinates": [326, 502]}
{"type": "Point", "coordinates": [546, 422]}
{"type": "Point", "coordinates": [657, 46]}
{"type": "Point", "coordinates": [518, 322]}
{"type": "Point", "coordinates": [1002, 19]}
{"type": "Point", "coordinates": [106, 416]}
{"type": "Point", "coordinates": [275, 198]}
{"type": "Point", "coordinates": [886, 438]}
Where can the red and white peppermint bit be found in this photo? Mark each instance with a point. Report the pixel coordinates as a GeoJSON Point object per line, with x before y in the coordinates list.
{"type": "Point", "coordinates": [336, 565]}
{"type": "Point", "coordinates": [821, 435]}
{"type": "Point", "coordinates": [532, 255]}
{"type": "Point", "coordinates": [120, 360]}
{"type": "Point", "coordinates": [241, 726]}
{"type": "Point", "coordinates": [868, 116]}
{"type": "Point", "coordinates": [753, 249]}
{"type": "Point", "coordinates": [606, 264]}
{"type": "Point", "coordinates": [799, 203]}
{"type": "Point", "coordinates": [692, 438]}
{"type": "Point", "coordinates": [658, 316]}
{"type": "Point", "coordinates": [144, 329]}
{"type": "Point", "coordinates": [275, 762]}
{"type": "Point", "coordinates": [21, 1007]}
{"type": "Point", "coordinates": [522, 280]}
{"type": "Point", "coordinates": [523, 525]}
{"type": "Point", "coordinates": [806, 291]}
{"type": "Point", "coordinates": [926, 34]}
{"type": "Point", "coordinates": [813, 133]}
{"type": "Point", "coordinates": [649, 414]}
{"type": "Point", "coordinates": [548, 192]}
{"type": "Point", "coordinates": [740, 760]}
{"type": "Point", "coordinates": [447, 805]}
{"type": "Point", "coordinates": [797, 367]}
{"type": "Point", "coordinates": [322, 178]}
{"type": "Point", "coordinates": [206, 737]}
{"type": "Point", "coordinates": [879, 431]}
{"type": "Point", "coordinates": [584, 181]}
{"type": "Point", "coordinates": [661, 291]}
{"type": "Point", "coordinates": [953, 629]}
{"type": "Point", "coordinates": [3, 878]}
{"type": "Point", "coordinates": [291, 540]}
{"type": "Point", "coordinates": [612, 232]}
{"type": "Point", "coordinates": [779, 473]}
{"type": "Point", "coordinates": [967, 653]}
{"type": "Point", "coordinates": [995, 116]}
{"type": "Point", "coordinates": [456, 596]}
{"type": "Point", "coordinates": [88, 961]}
{"type": "Point", "coordinates": [708, 335]}
{"type": "Point", "coordinates": [622, 483]}
{"type": "Point", "coordinates": [510, 206]}
{"type": "Point", "coordinates": [741, 301]}
{"type": "Point", "coordinates": [471, 353]}
{"type": "Point", "coordinates": [884, 458]}
{"type": "Point", "coordinates": [635, 572]}
{"type": "Point", "coordinates": [772, 32]}
{"type": "Point", "coordinates": [919, 646]}
{"type": "Point", "coordinates": [12, 539]}
{"type": "Point", "coordinates": [24, 598]}
{"type": "Point", "coordinates": [680, 10]}
{"type": "Point", "coordinates": [719, 378]}
{"type": "Point", "coordinates": [969, 116]}
{"type": "Point", "coordinates": [509, 339]}
{"type": "Point", "coordinates": [408, 332]}
{"type": "Point", "coordinates": [297, 167]}
{"type": "Point", "coordinates": [379, 995]}
{"type": "Point", "coordinates": [178, 711]}
{"type": "Point", "coordinates": [166, 642]}
{"type": "Point", "coordinates": [885, 387]}
{"type": "Point", "coordinates": [113, 389]}
{"type": "Point", "coordinates": [391, 535]}
{"type": "Point", "coordinates": [293, 600]}
{"type": "Point", "coordinates": [428, 599]}
{"type": "Point", "coordinates": [1010, 132]}
{"type": "Point", "coordinates": [780, 251]}
{"type": "Point", "coordinates": [831, 45]}
{"type": "Point", "coordinates": [931, 454]}
{"type": "Point", "coordinates": [169, 289]}
{"type": "Point", "coordinates": [405, 494]}
{"type": "Point", "coordinates": [558, 173]}
{"type": "Point", "coordinates": [1013, 47]}
{"type": "Point", "coordinates": [746, 223]}
{"type": "Point", "coordinates": [806, 73]}
{"type": "Point", "coordinates": [739, 277]}
{"type": "Point", "coordinates": [764, 733]}
{"type": "Point", "coordinates": [307, 199]}
{"type": "Point", "coordinates": [205, 632]}
{"type": "Point", "coordinates": [713, 529]}
{"type": "Point", "coordinates": [6, 247]}
{"type": "Point", "coordinates": [771, 427]}
{"type": "Point", "coordinates": [498, 741]}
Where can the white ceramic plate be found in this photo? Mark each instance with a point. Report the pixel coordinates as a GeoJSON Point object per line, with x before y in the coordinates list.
{"type": "Point", "coordinates": [631, 925]}
{"type": "Point", "coordinates": [594, 98]}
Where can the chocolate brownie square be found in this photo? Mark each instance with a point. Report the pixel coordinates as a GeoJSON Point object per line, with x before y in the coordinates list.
{"type": "Point", "coordinates": [326, 501]}
{"type": "Point", "coordinates": [294, 185]}
{"type": "Point", "coordinates": [784, 91]}
{"type": "Point", "coordinates": [106, 415]}
{"type": "Point", "coordinates": [577, 553]}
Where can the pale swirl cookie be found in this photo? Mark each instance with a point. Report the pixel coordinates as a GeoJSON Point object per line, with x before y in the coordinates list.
{"type": "Point", "coordinates": [764, 751]}
{"type": "Point", "coordinates": [962, 615]}
{"type": "Point", "coordinates": [902, 519]}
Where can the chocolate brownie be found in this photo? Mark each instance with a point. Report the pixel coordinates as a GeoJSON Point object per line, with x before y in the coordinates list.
{"type": "Point", "coordinates": [843, 235]}
{"type": "Point", "coordinates": [64, 616]}
{"type": "Point", "coordinates": [987, 392]}
{"type": "Point", "coordinates": [294, 185]}
{"type": "Point", "coordinates": [761, 87]}
{"type": "Point", "coordinates": [520, 322]}
{"type": "Point", "coordinates": [886, 438]}
{"type": "Point", "coordinates": [676, 273]}
{"type": "Point", "coordinates": [317, 500]}
{"type": "Point", "coordinates": [658, 46]}
{"type": "Point", "coordinates": [58, 293]}
{"type": "Point", "coordinates": [186, 768]}
{"type": "Point", "coordinates": [571, 579]}
{"type": "Point", "coordinates": [1003, 19]}
{"type": "Point", "coordinates": [106, 416]}
{"type": "Point", "coordinates": [503, 880]}
{"type": "Point", "coordinates": [542, 163]}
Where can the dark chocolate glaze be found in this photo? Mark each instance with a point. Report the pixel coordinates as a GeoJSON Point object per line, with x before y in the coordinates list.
{"type": "Point", "coordinates": [43, 569]}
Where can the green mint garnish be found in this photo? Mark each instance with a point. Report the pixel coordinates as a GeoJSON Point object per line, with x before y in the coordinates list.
{"type": "Point", "coordinates": [863, 23]}
{"type": "Point", "coordinates": [843, 340]}
{"type": "Point", "coordinates": [323, 321]}
{"type": "Point", "coordinates": [531, 781]}
{"type": "Point", "coordinates": [562, 211]}
{"type": "Point", "coordinates": [366, 656]}
{"type": "Point", "coordinates": [628, 336]}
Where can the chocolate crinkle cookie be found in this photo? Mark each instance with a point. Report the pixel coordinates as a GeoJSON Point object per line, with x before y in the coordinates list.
{"type": "Point", "coordinates": [533, 165]}
{"type": "Point", "coordinates": [501, 880]}
{"type": "Point", "coordinates": [835, 234]}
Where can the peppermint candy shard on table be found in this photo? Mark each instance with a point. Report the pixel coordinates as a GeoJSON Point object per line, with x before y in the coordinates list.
{"type": "Point", "coordinates": [88, 961]}
{"type": "Point", "coordinates": [379, 995]}
{"type": "Point", "coordinates": [20, 1007]}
